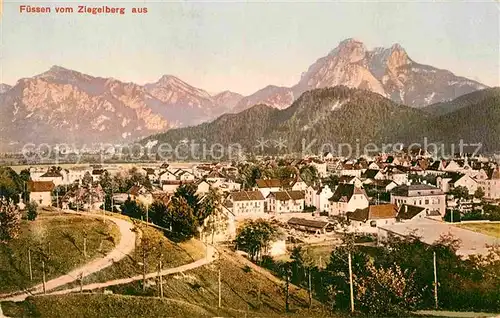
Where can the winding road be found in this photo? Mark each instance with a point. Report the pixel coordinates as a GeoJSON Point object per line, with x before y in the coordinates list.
{"type": "Point", "coordinates": [124, 247]}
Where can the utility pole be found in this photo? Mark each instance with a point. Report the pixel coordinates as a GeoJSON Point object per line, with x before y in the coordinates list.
{"type": "Point", "coordinates": [29, 263]}
{"type": "Point", "coordinates": [85, 245]}
{"type": "Point", "coordinates": [220, 288]}
{"type": "Point", "coordinates": [43, 277]}
{"type": "Point", "coordinates": [310, 289]}
{"type": "Point", "coordinates": [143, 268]}
{"type": "Point", "coordinates": [435, 282]}
{"type": "Point", "coordinates": [350, 282]}
{"type": "Point", "coordinates": [287, 294]}
{"type": "Point", "coordinates": [160, 278]}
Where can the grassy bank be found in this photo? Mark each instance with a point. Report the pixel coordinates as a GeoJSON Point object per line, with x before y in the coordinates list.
{"type": "Point", "coordinates": [491, 229]}
{"type": "Point", "coordinates": [156, 246]}
{"type": "Point", "coordinates": [58, 239]}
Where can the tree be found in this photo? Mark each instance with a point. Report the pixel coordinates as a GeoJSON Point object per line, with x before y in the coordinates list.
{"type": "Point", "coordinates": [452, 215]}
{"type": "Point", "coordinates": [10, 220]}
{"type": "Point", "coordinates": [479, 193]}
{"type": "Point", "coordinates": [157, 213]}
{"type": "Point", "coordinates": [188, 192]}
{"type": "Point", "coordinates": [32, 211]}
{"type": "Point", "coordinates": [301, 264]}
{"type": "Point", "coordinates": [255, 237]}
{"type": "Point", "coordinates": [133, 209]}
{"type": "Point", "coordinates": [11, 185]}
{"type": "Point", "coordinates": [309, 174]}
{"type": "Point", "coordinates": [181, 218]}
{"type": "Point", "coordinates": [387, 291]}
{"type": "Point", "coordinates": [87, 179]}
{"type": "Point", "coordinates": [460, 193]}
{"type": "Point", "coordinates": [211, 209]}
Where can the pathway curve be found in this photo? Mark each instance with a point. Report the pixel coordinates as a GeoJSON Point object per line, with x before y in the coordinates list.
{"type": "Point", "coordinates": [209, 257]}
{"type": "Point", "coordinates": [124, 247]}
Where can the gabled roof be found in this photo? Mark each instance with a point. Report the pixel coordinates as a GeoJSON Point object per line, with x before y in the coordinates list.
{"type": "Point", "coordinates": [374, 212]}
{"type": "Point", "coordinates": [344, 192]}
{"type": "Point", "coordinates": [308, 223]}
{"type": "Point", "coordinates": [51, 174]}
{"type": "Point", "coordinates": [496, 174]}
{"type": "Point", "coordinates": [247, 196]}
{"type": "Point", "coordinates": [268, 183]}
{"type": "Point", "coordinates": [288, 195]}
{"type": "Point", "coordinates": [408, 212]}
{"type": "Point", "coordinates": [98, 172]}
{"type": "Point", "coordinates": [40, 186]}
{"type": "Point", "coordinates": [370, 173]}
{"type": "Point", "coordinates": [149, 170]}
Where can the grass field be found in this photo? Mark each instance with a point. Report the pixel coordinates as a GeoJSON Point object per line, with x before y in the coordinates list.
{"type": "Point", "coordinates": [99, 305]}
{"type": "Point", "coordinates": [172, 255]}
{"type": "Point", "coordinates": [242, 288]}
{"type": "Point", "coordinates": [57, 239]}
{"type": "Point", "coordinates": [491, 229]}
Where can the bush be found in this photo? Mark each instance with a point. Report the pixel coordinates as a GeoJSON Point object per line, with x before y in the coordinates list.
{"type": "Point", "coordinates": [456, 216]}
{"type": "Point", "coordinates": [32, 211]}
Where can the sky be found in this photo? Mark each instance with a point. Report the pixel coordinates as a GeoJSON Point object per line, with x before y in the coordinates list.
{"type": "Point", "coordinates": [243, 46]}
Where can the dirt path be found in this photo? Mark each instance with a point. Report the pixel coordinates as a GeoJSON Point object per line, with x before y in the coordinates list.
{"type": "Point", "coordinates": [124, 247]}
{"type": "Point", "coordinates": [209, 257]}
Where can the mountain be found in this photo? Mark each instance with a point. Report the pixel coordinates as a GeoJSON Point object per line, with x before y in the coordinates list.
{"type": "Point", "coordinates": [389, 72]}
{"type": "Point", "coordinates": [4, 88]}
{"type": "Point", "coordinates": [274, 96]}
{"type": "Point", "coordinates": [322, 116]}
{"type": "Point", "coordinates": [65, 106]}
{"type": "Point", "coordinates": [188, 105]}
{"type": "Point", "coordinates": [461, 102]}
{"type": "Point", "coordinates": [344, 119]}
{"type": "Point", "coordinates": [473, 118]}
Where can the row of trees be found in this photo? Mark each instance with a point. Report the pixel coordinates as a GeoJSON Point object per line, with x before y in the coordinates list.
{"type": "Point", "coordinates": [184, 215]}
{"type": "Point", "coordinates": [391, 280]}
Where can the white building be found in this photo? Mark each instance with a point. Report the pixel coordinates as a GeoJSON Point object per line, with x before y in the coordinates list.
{"type": "Point", "coordinates": [347, 198]}
{"type": "Point", "coordinates": [491, 186]}
{"type": "Point", "coordinates": [41, 192]}
{"type": "Point", "coordinates": [246, 203]}
{"type": "Point", "coordinates": [368, 219]}
{"type": "Point", "coordinates": [285, 201]}
{"type": "Point", "coordinates": [422, 195]}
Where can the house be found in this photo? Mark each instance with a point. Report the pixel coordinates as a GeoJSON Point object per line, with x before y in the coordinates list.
{"type": "Point", "coordinates": [52, 175]}
{"type": "Point", "coordinates": [299, 184]}
{"type": "Point", "coordinates": [408, 212]}
{"type": "Point", "coordinates": [41, 192]}
{"type": "Point", "coordinates": [347, 198]}
{"type": "Point", "coordinates": [351, 180]}
{"type": "Point", "coordinates": [267, 186]}
{"type": "Point", "coordinates": [246, 203]}
{"type": "Point", "coordinates": [373, 174]}
{"type": "Point", "coordinates": [321, 197]}
{"type": "Point", "coordinates": [369, 218]}
{"type": "Point", "coordinates": [422, 195]}
{"type": "Point", "coordinates": [384, 185]}
{"type": "Point", "coordinates": [151, 174]}
{"type": "Point", "coordinates": [220, 226]}
{"type": "Point", "coordinates": [202, 187]}
{"type": "Point", "coordinates": [285, 201]}
{"type": "Point", "coordinates": [165, 176]}
{"type": "Point", "coordinates": [320, 167]}
{"type": "Point", "coordinates": [141, 194]}
{"type": "Point", "coordinates": [97, 174]}
{"type": "Point", "coordinates": [311, 226]}
{"type": "Point", "coordinates": [491, 186]}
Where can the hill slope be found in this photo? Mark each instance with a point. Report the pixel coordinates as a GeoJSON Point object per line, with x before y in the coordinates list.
{"type": "Point", "coordinates": [330, 115]}
{"type": "Point", "coordinates": [325, 118]}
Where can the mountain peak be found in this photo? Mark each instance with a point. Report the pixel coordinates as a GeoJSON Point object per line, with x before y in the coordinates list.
{"type": "Point", "coordinates": [350, 49]}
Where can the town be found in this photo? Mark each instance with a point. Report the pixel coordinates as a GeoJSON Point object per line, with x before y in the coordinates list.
{"type": "Point", "coordinates": [311, 203]}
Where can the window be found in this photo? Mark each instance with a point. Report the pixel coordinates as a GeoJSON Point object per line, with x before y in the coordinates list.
{"type": "Point", "coordinates": [373, 223]}
{"type": "Point", "coordinates": [426, 201]}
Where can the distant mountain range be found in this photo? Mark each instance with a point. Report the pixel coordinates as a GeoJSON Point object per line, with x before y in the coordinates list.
{"type": "Point", "coordinates": [354, 116]}
{"type": "Point", "coordinates": [62, 105]}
